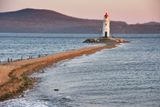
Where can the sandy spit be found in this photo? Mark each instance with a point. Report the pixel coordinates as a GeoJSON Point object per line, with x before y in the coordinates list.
{"type": "Point", "coordinates": [12, 79]}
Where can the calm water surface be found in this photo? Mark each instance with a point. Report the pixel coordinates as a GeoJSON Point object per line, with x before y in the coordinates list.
{"type": "Point", "coordinates": [127, 76]}
{"type": "Point", "coordinates": [19, 45]}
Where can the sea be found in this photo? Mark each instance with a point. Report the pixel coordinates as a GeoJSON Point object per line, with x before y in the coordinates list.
{"type": "Point", "coordinates": [126, 76]}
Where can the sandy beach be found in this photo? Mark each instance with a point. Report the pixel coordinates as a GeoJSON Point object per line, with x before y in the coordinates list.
{"type": "Point", "coordinates": [14, 76]}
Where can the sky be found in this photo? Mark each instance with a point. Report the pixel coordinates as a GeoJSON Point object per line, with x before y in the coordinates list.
{"type": "Point", "coordinates": [130, 11]}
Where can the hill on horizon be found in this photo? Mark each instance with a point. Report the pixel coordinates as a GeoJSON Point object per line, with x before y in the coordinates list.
{"type": "Point", "coordinates": [47, 21]}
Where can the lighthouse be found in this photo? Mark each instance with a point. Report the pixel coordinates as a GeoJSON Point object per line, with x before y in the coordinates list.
{"type": "Point", "coordinates": [107, 38]}
{"type": "Point", "coordinates": [106, 26]}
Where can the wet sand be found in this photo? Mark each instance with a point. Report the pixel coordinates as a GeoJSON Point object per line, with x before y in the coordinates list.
{"type": "Point", "coordinates": [14, 76]}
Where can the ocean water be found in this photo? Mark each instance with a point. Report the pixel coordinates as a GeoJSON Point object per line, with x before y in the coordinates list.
{"type": "Point", "coordinates": [17, 45]}
{"type": "Point", "coordinates": [126, 76]}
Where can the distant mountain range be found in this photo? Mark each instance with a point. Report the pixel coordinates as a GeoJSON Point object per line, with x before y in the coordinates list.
{"type": "Point", "coordinates": [46, 21]}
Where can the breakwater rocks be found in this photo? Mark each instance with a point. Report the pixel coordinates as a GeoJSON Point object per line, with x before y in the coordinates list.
{"type": "Point", "coordinates": [105, 40]}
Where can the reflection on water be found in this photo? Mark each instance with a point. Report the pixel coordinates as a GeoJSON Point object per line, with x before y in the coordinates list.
{"type": "Point", "coordinates": [127, 76]}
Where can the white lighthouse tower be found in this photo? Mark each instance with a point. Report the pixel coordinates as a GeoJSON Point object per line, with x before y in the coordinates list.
{"type": "Point", "coordinates": [106, 26]}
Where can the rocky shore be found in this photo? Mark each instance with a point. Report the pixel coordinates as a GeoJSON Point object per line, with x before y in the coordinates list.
{"type": "Point", "coordinates": [106, 40]}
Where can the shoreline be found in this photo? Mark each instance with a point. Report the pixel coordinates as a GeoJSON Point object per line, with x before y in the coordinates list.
{"type": "Point", "coordinates": [14, 75]}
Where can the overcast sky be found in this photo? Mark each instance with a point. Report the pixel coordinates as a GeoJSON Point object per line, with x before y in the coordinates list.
{"type": "Point", "coordinates": [131, 11]}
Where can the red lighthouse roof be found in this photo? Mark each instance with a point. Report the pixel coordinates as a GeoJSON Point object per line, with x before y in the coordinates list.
{"type": "Point", "coordinates": [106, 15]}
